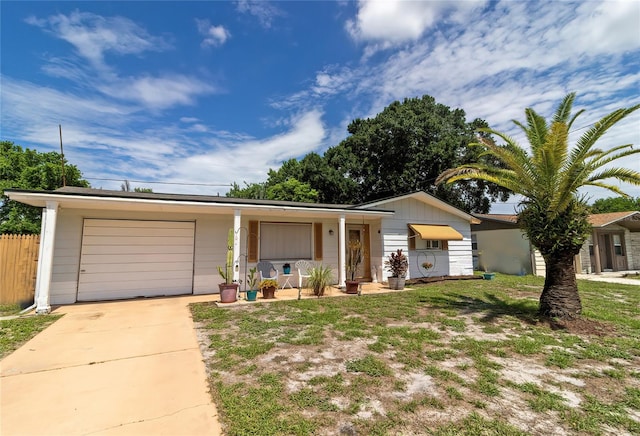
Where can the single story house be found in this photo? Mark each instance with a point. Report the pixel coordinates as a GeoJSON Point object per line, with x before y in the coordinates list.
{"type": "Point", "coordinates": [499, 245]}
{"type": "Point", "coordinates": [103, 245]}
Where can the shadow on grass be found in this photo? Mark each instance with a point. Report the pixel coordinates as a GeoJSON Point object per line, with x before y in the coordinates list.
{"type": "Point", "coordinates": [491, 307]}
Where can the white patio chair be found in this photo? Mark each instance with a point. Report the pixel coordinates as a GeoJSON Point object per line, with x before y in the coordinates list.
{"type": "Point", "coordinates": [265, 269]}
{"type": "Point", "coordinates": [304, 270]}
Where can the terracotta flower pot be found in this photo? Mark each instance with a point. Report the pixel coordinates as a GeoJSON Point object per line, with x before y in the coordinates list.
{"type": "Point", "coordinates": [351, 286]}
{"type": "Point", "coordinates": [228, 292]}
{"type": "Point", "coordinates": [268, 293]}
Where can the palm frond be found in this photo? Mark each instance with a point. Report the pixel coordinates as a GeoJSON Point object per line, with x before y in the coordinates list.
{"type": "Point", "coordinates": [573, 118]}
{"type": "Point", "coordinates": [564, 109]}
{"type": "Point", "coordinates": [536, 130]}
{"type": "Point", "coordinates": [600, 127]}
{"type": "Point", "coordinates": [623, 174]}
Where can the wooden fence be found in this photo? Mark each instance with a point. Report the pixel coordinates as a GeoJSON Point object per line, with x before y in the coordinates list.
{"type": "Point", "coordinates": [18, 268]}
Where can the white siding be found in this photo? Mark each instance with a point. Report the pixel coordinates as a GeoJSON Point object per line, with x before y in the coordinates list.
{"type": "Point", "coordinates": [455, 261]}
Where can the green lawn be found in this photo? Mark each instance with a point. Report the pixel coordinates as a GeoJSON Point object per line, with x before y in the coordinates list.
{"type": "Point", "coordinates": [468, 357]}
{"type": "Point", "coordinates": [17, 331]}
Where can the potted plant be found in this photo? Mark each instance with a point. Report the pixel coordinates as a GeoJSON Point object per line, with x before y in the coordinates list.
{"type": "Point", "coordinates": [252, 281]}
{"type": "Point", "coordinates": [268, 288]}
{"type": "Point", "coordinates": [286, 268]}
{"type": "Point", "coordinates": [319, 278]}
{"type": "Point", "coordinates": [354, 259]}
{"type": "Point", "coordinates": [397, 264]}
{"type": "Point", "coordinates": [228, 289]}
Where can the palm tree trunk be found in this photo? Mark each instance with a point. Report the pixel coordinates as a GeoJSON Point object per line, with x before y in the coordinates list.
{"type": "Point", "coordinates": [560, 297]}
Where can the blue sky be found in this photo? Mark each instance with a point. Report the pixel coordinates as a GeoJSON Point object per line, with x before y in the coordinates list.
{"type": "Point", "coordinates": [201, 94]}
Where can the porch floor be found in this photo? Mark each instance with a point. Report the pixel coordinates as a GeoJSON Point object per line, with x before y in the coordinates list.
{"type": "Point", "coordinates": [307, 293]}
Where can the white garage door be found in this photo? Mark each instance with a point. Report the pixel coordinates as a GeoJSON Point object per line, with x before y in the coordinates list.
{"type": "Point", "coordinates": [127, 259]}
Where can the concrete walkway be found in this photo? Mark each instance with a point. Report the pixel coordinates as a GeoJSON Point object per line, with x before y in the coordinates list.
{"type": "Point", "coordinates": [611, 277]}
{"type": "Point", "coordinates": [114, 368]}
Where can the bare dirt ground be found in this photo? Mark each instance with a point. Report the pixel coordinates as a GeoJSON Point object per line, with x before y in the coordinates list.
{"type": "Point", "coordinates": [467, 367]}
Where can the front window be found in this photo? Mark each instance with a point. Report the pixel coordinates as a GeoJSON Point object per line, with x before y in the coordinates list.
{"type": "Point", "coordinates": [617, 245]}
{"type": "Point", "coordinates": [428, 244]}
{"type": "Point", "coordinates": [285, 241]}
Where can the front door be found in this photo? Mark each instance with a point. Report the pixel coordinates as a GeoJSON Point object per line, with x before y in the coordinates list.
{"type": "Point", "coordinates": [612, 252]}
{"type": "Point", "coordinates": [360, 232]}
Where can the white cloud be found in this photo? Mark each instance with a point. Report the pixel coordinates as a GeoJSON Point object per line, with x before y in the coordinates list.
{"type": "Point", "coordinates": [390, 22]}
{"type": "Point", "coordinates": [249, 160]}
{"type": "Point", "coordinates": [214, 36]}
{"type": "Point", "coordinates": [93, 35]}
{"type": "Point", "coordinates": [158, 92]}
{"type": "Point", "coordinates": [263, 10]}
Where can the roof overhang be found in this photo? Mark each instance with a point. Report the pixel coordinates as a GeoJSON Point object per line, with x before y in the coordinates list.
{"type": "Point", "coordinates": [190, 204]}
{"type": "Point", "coordinates": [630, 220]}
{"type": "Point", "coordinates": [436, 232]}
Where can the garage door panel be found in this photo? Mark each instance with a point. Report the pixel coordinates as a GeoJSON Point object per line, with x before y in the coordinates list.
{"type": "Point", "coordinates": [114, 293]}
{"type": "Point", "coordinates": [142, 224]}
{"type": "Point", "coordinates": [120, 259]}
{"type": "Point", "coordinates": [134, 276]}
{"type": "Point", "coordinates": [137, 232]}
{"type": "Point", "coordinates": [98, 268]}
{"type": "Point", "coordinates": [99, 250]}
{"type": "Point", "coordinates": [127, 259]}
{"type": "Point", "coordinates": [137, 240]}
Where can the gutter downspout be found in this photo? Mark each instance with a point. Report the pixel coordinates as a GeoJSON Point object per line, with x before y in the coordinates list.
{"type": "Point", "coordinates": [342, 248]}
{"type": "Point", "coordinates": [40, 244]}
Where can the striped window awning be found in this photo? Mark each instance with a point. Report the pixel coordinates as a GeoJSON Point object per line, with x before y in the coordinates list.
{"type": "Point", "coordinates": [436, 232]}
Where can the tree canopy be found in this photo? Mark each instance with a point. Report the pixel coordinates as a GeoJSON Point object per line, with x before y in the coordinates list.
{"type": "Point", "coordinates": [29, 169]}
{"type": "Point", "coordinates": [402, 149]}
{"type": "Point", "coordinates": [553, 215]}
{"type": "Point", "coordinates": [615, 204]}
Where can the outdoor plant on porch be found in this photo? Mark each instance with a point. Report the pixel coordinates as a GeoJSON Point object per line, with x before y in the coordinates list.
{"type": "Point", "coordinates": [228, 289]}
{"type": "Point", "coordinates": [268, 288]}
{"type": "Point", "coordinates": [354, 259]}
{"type": "Point", "coordinates": [319, 278]}
{"type": "Point", "coordinates": [398, 265]}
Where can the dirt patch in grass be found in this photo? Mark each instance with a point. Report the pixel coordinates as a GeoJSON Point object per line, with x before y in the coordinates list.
{"type": "Point", "coordinates": [581, 326]}
{"type": "Point", "coordinates": [447, 358]}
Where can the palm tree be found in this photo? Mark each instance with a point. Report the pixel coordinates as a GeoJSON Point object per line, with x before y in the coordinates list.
{"type": "Point", "coordinates": [553, 215]}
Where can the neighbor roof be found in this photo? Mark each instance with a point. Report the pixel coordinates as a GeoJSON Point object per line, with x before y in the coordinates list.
{"type": "Point", "coordinates": [629, 219]}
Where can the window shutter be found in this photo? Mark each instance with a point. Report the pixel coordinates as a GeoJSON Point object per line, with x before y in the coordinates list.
{"type": "Point", "coordinates": [412, 239]}
{"type": "Point", "coordinates": [317, 241]}
{"type": "Point", "coordinates": [253, 242]}
{"type": "Point", "coordinates": [444, 245]}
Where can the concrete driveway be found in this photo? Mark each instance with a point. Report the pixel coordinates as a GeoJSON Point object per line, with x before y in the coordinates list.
{"type": "Point", "coordinates": [127, 367]}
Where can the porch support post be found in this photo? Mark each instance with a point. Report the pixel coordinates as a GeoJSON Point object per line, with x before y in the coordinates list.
{"type": "Point", "coordinates": [342, 248]}
{"type": "Point", "coordinates": [45, 262]}
{"type": "Point", "coordinates": [237, 215]}
{"type": "Point", "coordinates": [596, 252]}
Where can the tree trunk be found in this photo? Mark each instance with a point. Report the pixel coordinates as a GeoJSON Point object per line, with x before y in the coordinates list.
{"type": "Point", "coordinates": [560, 297]}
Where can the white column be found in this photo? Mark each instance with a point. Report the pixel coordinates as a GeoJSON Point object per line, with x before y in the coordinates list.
{"type": "Point", "coordinates": [45, 262]}
{"type": "Point", "coordinates": [237, 215]}
{"type": "Point", "coordinates": [342, 232]}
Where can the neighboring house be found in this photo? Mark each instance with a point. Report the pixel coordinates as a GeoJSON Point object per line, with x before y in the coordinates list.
{"type": "Point", "coordinates": [500, 246]}
{"type": "Point", "coordinates": [103, 245]}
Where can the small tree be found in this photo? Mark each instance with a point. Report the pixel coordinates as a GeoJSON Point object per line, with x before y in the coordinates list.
{"type": "Point", "coordinates": [553, 215]}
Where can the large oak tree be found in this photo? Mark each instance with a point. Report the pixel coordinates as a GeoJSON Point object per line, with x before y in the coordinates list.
{"type": "Point", "coordinates": [406, 146]}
